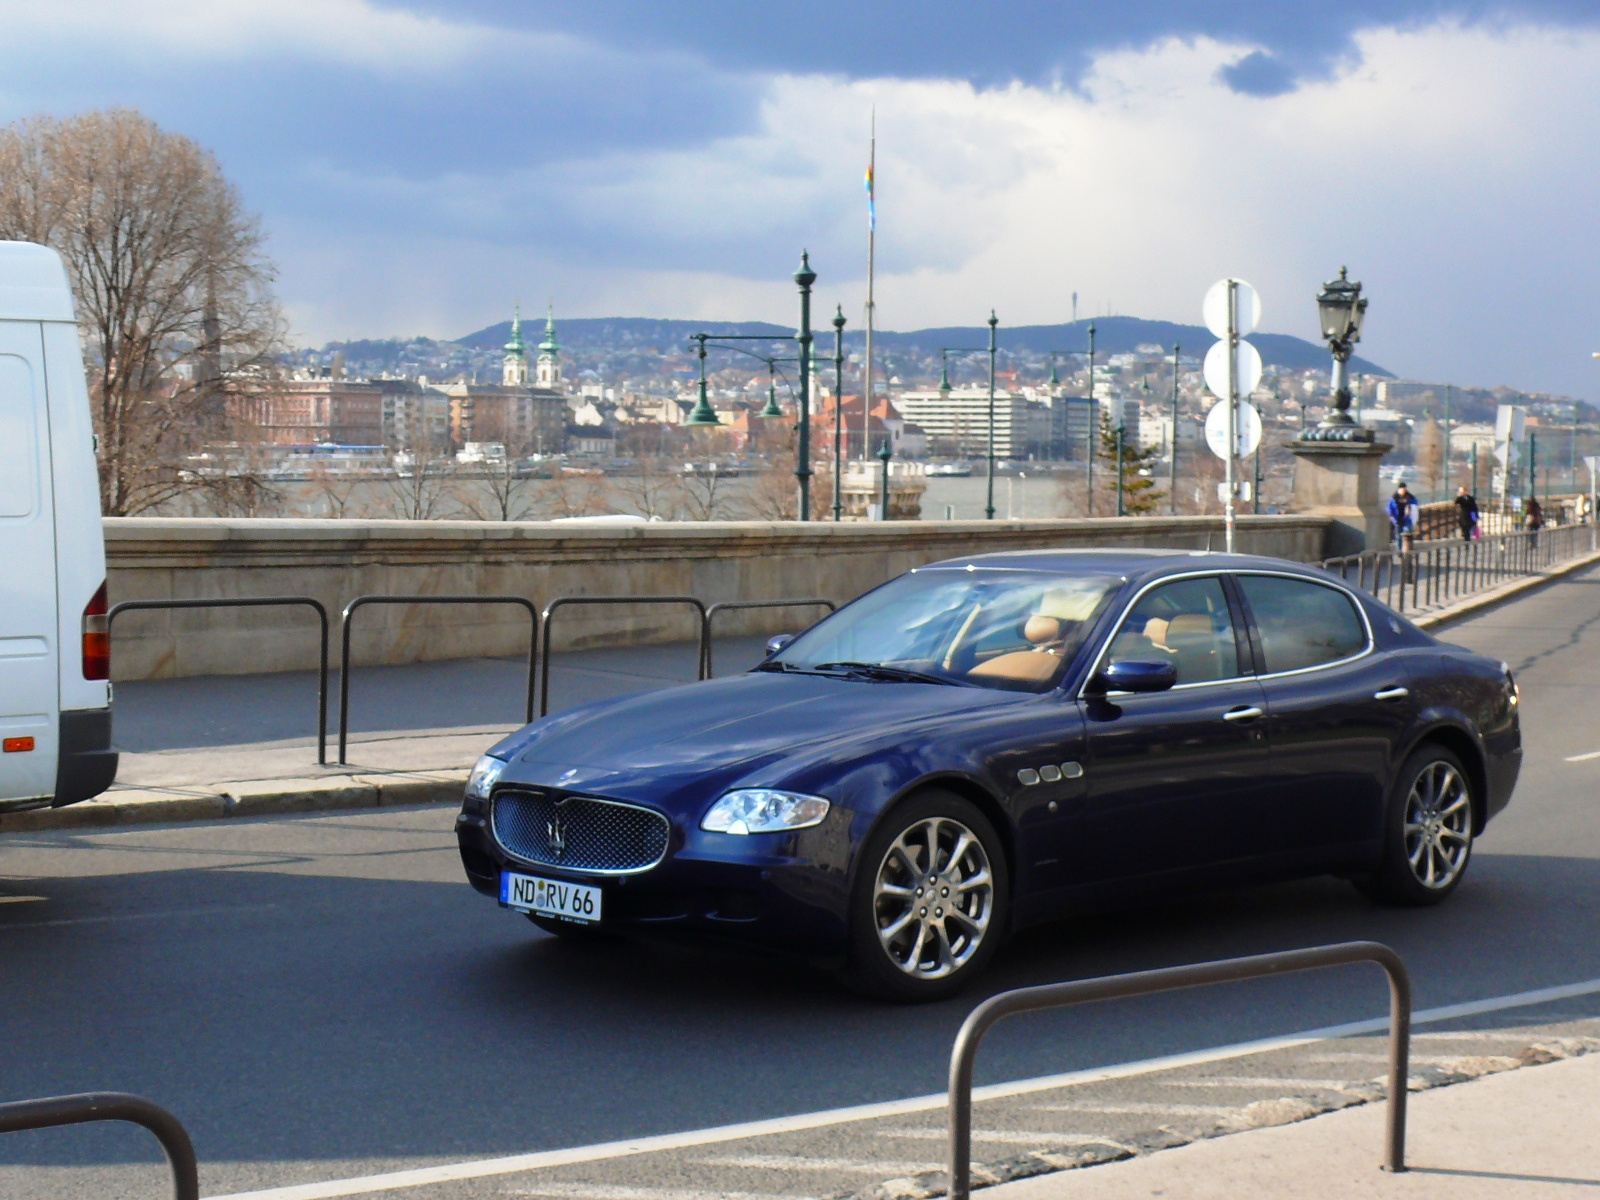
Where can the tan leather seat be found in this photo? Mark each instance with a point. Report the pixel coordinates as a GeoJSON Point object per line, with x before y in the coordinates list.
{"type": "Point", "coordinates": [1042, 630]}
{"type": "Point", "coordinates": [1029, 666]}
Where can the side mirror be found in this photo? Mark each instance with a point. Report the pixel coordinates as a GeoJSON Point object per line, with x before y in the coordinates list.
{"type": "Point", "coordinates": [1136, 675]}
{"type": "Point", "coordinates": [778, 641]}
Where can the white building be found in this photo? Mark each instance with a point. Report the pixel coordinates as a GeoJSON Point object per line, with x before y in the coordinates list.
{"type": "Point", "coordinates": [956, 421]}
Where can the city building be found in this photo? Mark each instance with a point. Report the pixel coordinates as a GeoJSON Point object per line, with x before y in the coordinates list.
{"type": "Point", "coordinates": [413, 414]}
{"type": "Point", "coordinates": [527, 419]}
{"type": "Point", "coordinates": [305, 412]}
{"type": "Point", "coordinates": [956, 422]}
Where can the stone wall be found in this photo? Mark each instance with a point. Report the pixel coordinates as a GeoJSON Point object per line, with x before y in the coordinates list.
{"type": "Point", "coordinates": [335, 561]}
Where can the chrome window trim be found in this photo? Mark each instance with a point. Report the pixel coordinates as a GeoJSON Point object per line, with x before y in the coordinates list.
{"type": "Point", "coordinates": [1214, 573]}
{"type": "Point", "coordinates": [535, 865]}
{"type": "Point", "coordinates": [1333, 585]}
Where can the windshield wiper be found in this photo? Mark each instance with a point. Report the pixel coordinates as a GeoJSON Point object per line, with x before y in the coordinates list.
{"type": "Point", "coordinates": [887, 672]}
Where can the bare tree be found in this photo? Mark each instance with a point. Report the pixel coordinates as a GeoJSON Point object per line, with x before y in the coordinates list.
{"type": "Point", "coordinates": [704, 491]}
{"type": "Point", "coordinates": [503, 494]}
{"type": "Point", "coordinates": [653, 490]}
{"type": "Point", "coordinates": [334, 488]}
{"type": "Point", "coordinates": [774, 495]}
{"type": "Point", "coordinates": [172, 289]}
{"type": "Point", "coordinates": [419, 487]}
{"type": "Point", "coordinates": [574, 493]}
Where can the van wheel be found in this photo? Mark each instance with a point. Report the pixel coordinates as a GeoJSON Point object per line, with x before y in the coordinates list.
{"type": "Point", "coordinates": [1427, 832]}
{"type": "Point", "coordinates": [930, 901]}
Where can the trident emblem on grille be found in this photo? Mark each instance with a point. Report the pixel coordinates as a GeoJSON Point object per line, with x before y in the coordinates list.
{"type": "Point", "coordinates": [556, 834]}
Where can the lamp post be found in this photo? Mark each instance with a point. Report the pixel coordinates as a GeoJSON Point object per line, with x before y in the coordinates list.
{"type": "Point", "coordinates": [804, 278]}
{"type": "Point", "coordinates": [1342, 309]}
{"type": "Point", "coordinates": [1172, 464]}
{"type": "Point", "coordinates": [944, 393]}
{"type": "Point", "coordinates": [1094, 433]}
{"type": "Point", "coordinates": [838, 413]}
{"type": "Point", "coordinates": [702, 413]}
{"type": "Point", "coordinates": [1122, 425]}
{"type": "Point", "coordinates": [994, 323]}
{"type": "Point", "coordinates": [884, 454]}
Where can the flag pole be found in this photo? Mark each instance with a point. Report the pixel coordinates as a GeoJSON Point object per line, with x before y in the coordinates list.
{"type": "Point", "coordinates": [872, 236]}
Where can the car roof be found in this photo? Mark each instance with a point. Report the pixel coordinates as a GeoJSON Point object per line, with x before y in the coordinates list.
{"type": "Point", "coordinates": [1131, 563]}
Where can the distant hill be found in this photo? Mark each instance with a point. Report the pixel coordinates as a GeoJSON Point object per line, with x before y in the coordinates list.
{"type": "Point", "coordinates": [1113, 335]}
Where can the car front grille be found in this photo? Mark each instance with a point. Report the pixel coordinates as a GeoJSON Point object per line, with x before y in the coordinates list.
{"type": "Point", "coordinates": [579, 833]}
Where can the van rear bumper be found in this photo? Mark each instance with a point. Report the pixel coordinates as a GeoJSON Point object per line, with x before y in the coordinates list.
{"type": "Point", "coordinates": [87, 764]}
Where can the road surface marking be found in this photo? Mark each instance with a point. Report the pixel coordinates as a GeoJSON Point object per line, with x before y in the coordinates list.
{"type": "Point", "coordinates": [1258, 1082]}
{"type": "Point", "coordinates": [1000, 1137]}
{"type": "Point", "coordinates": [1415, 1060]}
{"type": "Point", "coordinates": [609, 1191]}
{"type": "Point", "coordinates": [800, 1162]}
{"type": "Point", "coordinates": [484, 1168]}
{"type": "Point", "coordinates": [21, 899]}
{"type": "Point", "coordinates": [215, 910]}
{"type": "Point", "coordinates": [1584, 757]}
{"type": "Point", "coordinates": [1143, 1108]}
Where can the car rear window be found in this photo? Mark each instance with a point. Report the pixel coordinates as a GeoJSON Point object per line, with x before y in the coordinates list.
{"type": "Point", "coordinates": [1302, 624]}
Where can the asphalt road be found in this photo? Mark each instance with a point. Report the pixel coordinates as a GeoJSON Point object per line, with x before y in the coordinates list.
{"type": "Point", "coordinates": [323, 996]}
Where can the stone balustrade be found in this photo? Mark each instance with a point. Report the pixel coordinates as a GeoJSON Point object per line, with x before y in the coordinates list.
{"type": "Point", "coordinates": [335, 561]}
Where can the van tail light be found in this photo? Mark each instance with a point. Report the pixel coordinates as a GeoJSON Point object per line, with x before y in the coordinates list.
{"type": "Point", "coordinates": [96, 638]}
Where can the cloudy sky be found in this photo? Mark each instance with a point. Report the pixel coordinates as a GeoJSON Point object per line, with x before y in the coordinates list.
{"type": "Point", "coordinates": [420, 165]}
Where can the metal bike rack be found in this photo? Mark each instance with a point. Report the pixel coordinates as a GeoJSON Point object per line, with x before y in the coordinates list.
{"type": "Point", "coordinates": [258, 602]}
{"type": "Point", "coordinates": [722, 606]}
{"type": "Point", "coordinates": [564, 601]}
{"type": "Point", "coordinates": [54, 1111]}
{"type": "Point", "coordinates": [363, 601]}
{"type": "Point", "coordinates": [1146, 983]}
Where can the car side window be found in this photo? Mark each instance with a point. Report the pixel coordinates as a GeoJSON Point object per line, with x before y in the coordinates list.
{"type": "Point", "coordinates": [1302, 623]}
{"type": "Point", "coordinates": [1186, 623]}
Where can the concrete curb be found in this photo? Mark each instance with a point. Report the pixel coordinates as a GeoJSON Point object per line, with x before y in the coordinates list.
{"type": "Point", "coordinates": [1506, 591]}
{"type": "Point", "coordinates": [250, 798]}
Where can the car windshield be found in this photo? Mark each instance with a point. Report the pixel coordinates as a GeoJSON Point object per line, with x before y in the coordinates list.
{"type": "Point", "coordinates": [1015, 630]}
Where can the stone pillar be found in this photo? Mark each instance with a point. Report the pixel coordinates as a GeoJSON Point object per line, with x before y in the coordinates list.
{"type": "Point", "coordinates": [1339, 479]}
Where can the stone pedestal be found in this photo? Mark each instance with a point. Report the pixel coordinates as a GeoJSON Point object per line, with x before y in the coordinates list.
{"type": "Point", "coordinates": [1340, 480]}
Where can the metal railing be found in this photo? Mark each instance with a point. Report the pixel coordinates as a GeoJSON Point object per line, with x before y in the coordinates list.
{"type": "Point", "coordinates": [363, 601]}
{"type": "Point", "coordinates": [55, 1111]}
{"type": "Point", "coordinates": [1431, 574]}
{"type": "Point", "coordinates": [566, 601]}
{"type": "Point", "coordinates": [259, 602]}
{"type": "Point", "coordinates": [1146, 983]}
{"type": "Point", "coordinates": [726, 605]}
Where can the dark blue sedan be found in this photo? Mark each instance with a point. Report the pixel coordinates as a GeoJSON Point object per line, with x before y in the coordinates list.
{"type": "Point", "coordinates": [987, 743]}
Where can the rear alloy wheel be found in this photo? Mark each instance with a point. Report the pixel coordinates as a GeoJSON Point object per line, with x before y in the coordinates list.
{"type": "Point", "coordinates": [930, 900]}
{"type": "Point", "coordinates": [1427, 831]}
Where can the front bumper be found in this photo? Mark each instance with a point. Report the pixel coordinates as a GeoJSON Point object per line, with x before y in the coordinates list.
{"type": "Point", "coordinates": [787, 893]}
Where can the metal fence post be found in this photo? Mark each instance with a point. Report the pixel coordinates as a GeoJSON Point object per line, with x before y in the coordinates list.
{"type": "Point", "coordinates": [88, 1107]}
{"type": "Point", "coordinates": [255, 602]}
{"type": "Point", "coordinates": [565, 601]}
{"type": "Point", "coordinates": [363, 601]}
{"type": "Point", "coordinates": [725, 605]}
{"type": "Point", "coordinates": [963, 1054]}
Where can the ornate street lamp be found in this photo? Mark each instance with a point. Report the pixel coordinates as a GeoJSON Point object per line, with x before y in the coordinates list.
{"type": "Point", "coordinates": [884, 454]}
{"type": "Point", "coordinates": [772, 409]}
{"type": "Point", "coordinates": [1342, 309]}
{"type": "Point", "coordinates": [804, 278]}
{"type": "Point", "coordinates": [702, 413]}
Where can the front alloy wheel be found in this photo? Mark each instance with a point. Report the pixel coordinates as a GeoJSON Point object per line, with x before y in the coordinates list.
{"type": "Point", "coordinates": [1427, 836]}
{"type": "Point", "coordinates": [931, 899]}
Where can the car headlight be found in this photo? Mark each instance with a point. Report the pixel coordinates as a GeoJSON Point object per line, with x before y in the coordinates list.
{"type": "Point", "coordinates": [761, 810]}
{"type": "Point", "coordinates": [484, 775]}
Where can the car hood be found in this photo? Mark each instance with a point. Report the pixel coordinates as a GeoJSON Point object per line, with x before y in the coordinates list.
{"type": "Point", "coordinates": [650, 745]}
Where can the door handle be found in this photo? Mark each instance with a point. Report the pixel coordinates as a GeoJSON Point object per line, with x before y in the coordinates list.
{"type": "Point", "coordinates": [1242, 714]}
{"type": "Point", "coordinates": [1394, 693]}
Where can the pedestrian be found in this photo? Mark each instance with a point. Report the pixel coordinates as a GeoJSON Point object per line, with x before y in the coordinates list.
{"type": "Point", "coordinates": [1533, 521]}
{"type": "Point", "coordinates": [1466, 512]}
{"type": "Point", "coordinates": [1403, 512]}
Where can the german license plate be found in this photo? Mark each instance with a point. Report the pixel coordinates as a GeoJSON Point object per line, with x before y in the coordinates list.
{"type": "Point", "coordinates": [549, 897]}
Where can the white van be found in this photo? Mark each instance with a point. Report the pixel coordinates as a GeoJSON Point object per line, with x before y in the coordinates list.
{"type": "Point", "coordinates": [55, 661]}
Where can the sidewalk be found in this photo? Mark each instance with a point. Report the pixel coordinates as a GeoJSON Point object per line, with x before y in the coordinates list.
{"type": "Point", "coordinates": [1530, 1132]}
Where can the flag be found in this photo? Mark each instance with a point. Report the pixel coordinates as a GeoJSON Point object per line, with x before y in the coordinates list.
{"type": "Point", "coordinates": [872, 204]}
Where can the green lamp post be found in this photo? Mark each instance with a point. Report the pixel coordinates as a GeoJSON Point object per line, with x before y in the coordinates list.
{"type": "Point", "coordinates": [804, 278]}
{"type": "Point", "coordinates": [838, 413]}
{"type": "Point", "coordinates": [772, 409]}
{"type": "Point", "coordinates": [884, 454]}
{"type": "Point", "coordinates": [702, 413]}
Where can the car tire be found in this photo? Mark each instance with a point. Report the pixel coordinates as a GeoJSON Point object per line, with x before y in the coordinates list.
{"type": "Point", "coordinates": [918, 935]}
{"type": "Point", "coordinates": [574, 932]}
{"type": "Point", "coordinates": [1427, 832]}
